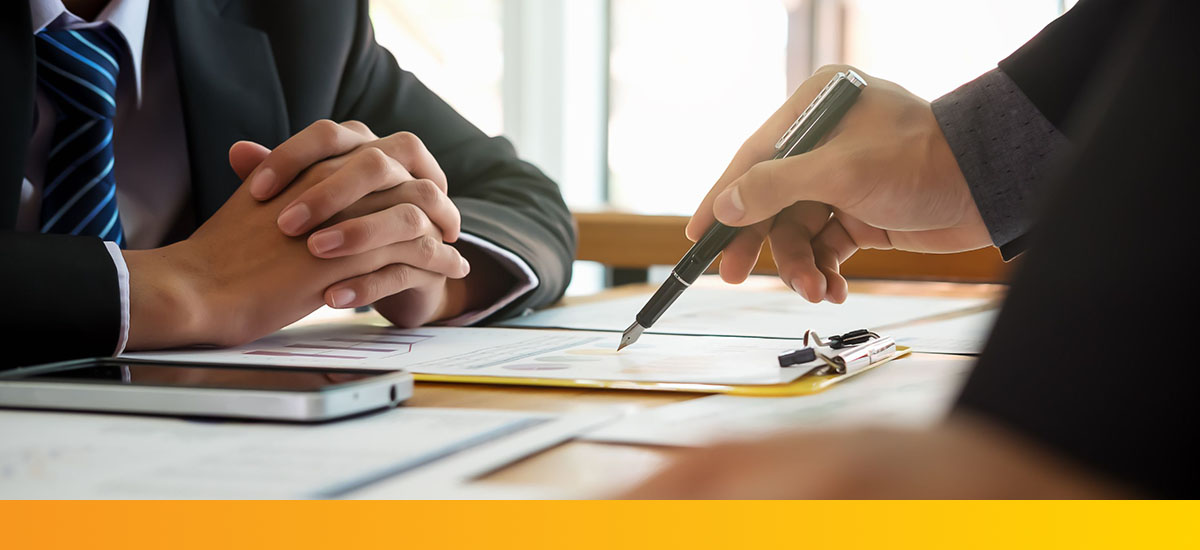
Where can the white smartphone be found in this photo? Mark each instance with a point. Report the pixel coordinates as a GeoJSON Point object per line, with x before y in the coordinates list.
{"type": "Point", "coordinates": [252, 392]}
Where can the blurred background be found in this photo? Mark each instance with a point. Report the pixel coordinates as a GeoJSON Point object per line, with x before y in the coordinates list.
{"type": "Point", "coordinates": [638, 105]}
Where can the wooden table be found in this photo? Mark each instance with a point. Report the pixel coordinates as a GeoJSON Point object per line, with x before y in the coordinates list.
{"type": "Point", "coordinates": [591, 467]}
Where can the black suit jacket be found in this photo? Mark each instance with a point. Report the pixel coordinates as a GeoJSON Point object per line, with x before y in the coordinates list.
{"type": "Point", "coordinates": [258, 70]}
{"type": "Point", "coordinates": [1091, 354]}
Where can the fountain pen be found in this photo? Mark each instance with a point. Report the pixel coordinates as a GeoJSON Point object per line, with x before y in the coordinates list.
{"type": "Point", "coordinates": [817, 119]}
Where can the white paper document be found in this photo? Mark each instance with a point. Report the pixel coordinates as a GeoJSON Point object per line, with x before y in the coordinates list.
{"type": "Point", "coordinates": [963, 334]}
{"type": "Point", "coordinates": [73, 455]}
{"type": "Point", "coordinates": [510, 353]}
{"type": "Point", "coordinates": [771, 314]}
{"type": "Point", "coordinates": [908, 392]}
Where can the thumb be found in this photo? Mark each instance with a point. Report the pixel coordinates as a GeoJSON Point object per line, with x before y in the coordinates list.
{"type": "Point", "coordinates": [245, 156]}
{"type": "Point", "coordinates": [771, 186]}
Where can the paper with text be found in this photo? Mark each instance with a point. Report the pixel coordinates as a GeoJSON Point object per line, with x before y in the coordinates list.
{"type": "Point", "coordinates": [100, 456]}
{"type": "Point", "coordinates": [510, 353]}
{"type": "Point", "coordinates": [783, 314]}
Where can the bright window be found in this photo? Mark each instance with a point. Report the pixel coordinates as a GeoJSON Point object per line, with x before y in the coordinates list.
{"type": "Point", "coordinates": [932, 46]}
{"type": "Point", "coordinates": [639, 105]}
{"type": "Point", "coordinates": [454, 47]}
{"type": "Point", "coordinates": [688, 80]}
{"type": "Point", "coordinates": [691, 79]}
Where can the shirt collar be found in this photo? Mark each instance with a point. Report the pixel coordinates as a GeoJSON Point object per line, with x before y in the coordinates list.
{"type": "Point", "coordinates": [127, 16]}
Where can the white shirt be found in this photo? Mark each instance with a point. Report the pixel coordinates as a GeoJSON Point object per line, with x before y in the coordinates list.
{"type": "Point", "coordinates": [154, 194]}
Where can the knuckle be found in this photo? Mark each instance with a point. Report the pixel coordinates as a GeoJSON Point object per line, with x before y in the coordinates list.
{"type": "Point", "coordinates": [427, 249]}
{"type": "Point", "coordinates": [355, 126]}
{"type": "Point", "coordinates": [401, 276]}
{"type": "Point", "coordinates": [409, 216]}
{"type": "Point", "coordinates": [427, 192]}
{"type": "Point", "coordinates": [407, 141]}
{"type": "Point", "coordinates": [326, 130]}
{"type": "Point", "coordinates": [370, 287]}
{"type": "Point", "coordinates": [375, 161]}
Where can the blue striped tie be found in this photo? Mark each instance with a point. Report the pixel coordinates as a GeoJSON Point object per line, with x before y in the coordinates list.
{"type": "Point", "coordinates": [77, 70]}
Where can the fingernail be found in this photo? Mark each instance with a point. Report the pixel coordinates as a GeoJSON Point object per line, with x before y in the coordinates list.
{"type": "Point", "coordinates": [466, 266]}
{"type": "Point", "coordinates": [327, 240]}
{"type": "Point", "coordinates": [342, 297]}
{"type": "Point", "coordinates": [293, 219]}
{"type": "Point", "coordinates": [731, 209]}
{"type": "Point", "coordinates": [263, 181]}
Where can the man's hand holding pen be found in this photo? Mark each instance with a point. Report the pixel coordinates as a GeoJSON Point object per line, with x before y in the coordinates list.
{"type": "Point", "coordinates": [883, 178]}
{"type": "Point", "coordinates": [810, 126]}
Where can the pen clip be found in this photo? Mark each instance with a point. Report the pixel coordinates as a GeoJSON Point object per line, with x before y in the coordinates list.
{"type": "Point", "coordinates": [791, 131]}
{"type": "Point", "coordinates": [853, 77]}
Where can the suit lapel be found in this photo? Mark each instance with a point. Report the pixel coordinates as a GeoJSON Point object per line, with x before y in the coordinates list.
{"type": "Point", "coordinates": [16, 104]}
{"type": "Point", "coordinates": [230, 91]}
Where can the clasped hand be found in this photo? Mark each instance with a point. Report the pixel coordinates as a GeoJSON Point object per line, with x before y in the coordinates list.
{"type": "Point", "coordinates": [363, 193]}
{"type": "Point", "coordinates": [334, 215]}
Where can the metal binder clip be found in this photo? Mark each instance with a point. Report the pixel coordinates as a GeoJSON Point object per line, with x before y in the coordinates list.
{"type": "Point", "coordinates": [863, 355]}
{"type": "Point", "coordinates": [857, 349]}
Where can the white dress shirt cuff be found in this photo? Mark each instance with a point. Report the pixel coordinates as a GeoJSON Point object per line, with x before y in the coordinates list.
{"type": "Point", "coordinates": [123, 283]}
{"type": "Point", "coordinates": [526, 280]}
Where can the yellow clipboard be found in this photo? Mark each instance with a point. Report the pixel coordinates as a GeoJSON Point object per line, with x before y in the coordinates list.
{"type": "Point", "coordinates": [804, 385]}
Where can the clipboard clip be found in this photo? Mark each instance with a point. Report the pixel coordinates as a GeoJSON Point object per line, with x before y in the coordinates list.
{"type": "Point", "coordinates": [839, 341]}
{"type": "Point", "coordinates": [859, 349]}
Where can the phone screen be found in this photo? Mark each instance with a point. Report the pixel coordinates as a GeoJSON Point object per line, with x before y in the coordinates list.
{"type": "Point", "coordinates": [116, 372]}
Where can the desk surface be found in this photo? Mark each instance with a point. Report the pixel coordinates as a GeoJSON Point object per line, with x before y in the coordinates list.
{"type": "Point", "coordinates": [587, 466]}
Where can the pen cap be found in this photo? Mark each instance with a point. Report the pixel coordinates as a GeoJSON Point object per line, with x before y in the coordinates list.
{"type": "Point", "coordinates": [821, 116]}
{"type": "Point", "coordinates": [812, 106]}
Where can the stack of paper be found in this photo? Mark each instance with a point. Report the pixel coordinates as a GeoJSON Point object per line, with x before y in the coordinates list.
{"type": "Point", "coordinates": [71, 455]}
{"type": "Point", "coordinates": [912, 392]}
{"type": "Point", "coordinates": [508, 352]}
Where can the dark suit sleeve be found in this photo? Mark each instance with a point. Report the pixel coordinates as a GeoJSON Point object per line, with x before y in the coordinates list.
{"type": "Point", "coordinates": [1091, 355]}
{"type": "Point", "coordinates": [1010, 126]}
{"type": "Point", "coordinates": [502, 199]}
{"type": "Point", "coordinates": [61, 295]}
{"type": "Point", "coordinates": [62, 299]}
{"type": "Point", "coordinates": [1056, 66]}
{"type": "Point", "coordinates": [1005, 149]}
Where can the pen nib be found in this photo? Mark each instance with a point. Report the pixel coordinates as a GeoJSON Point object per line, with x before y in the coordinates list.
{"type": "Point", "coordinates": [631, 335]}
